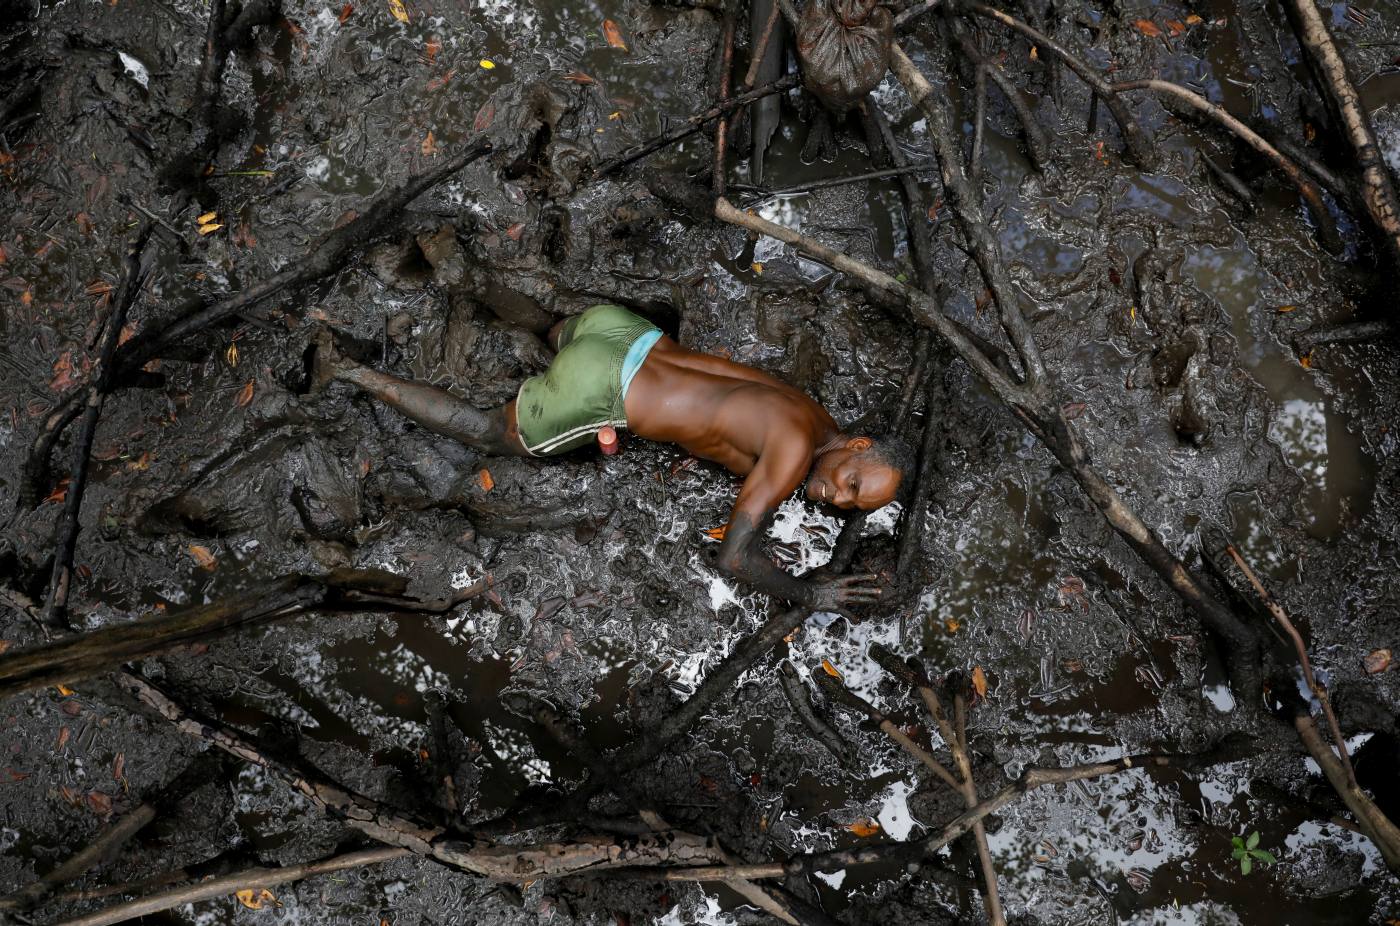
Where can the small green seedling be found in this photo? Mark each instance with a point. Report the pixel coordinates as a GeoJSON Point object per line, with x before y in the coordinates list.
{"type": "Point", "coordinates": [1247, 852]}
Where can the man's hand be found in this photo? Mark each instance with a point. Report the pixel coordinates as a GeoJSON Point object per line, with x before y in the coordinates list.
{"type": "Point", "coordinates": [840, 594]}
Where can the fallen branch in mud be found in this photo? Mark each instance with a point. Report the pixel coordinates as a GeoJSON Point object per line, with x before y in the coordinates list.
{"type": "Point", "coordinates": [802, 706]}
{"type": "Point", "coordinates": [719, 173]}
{"type": "Point", "coordinates": [1377, 187]}
{"type": "Point", "coordinates": [1374, 823]}
{"type": "Point", "coordinates": [1134, 138]}
{"type": "Point", "coordinates": [111, 839]}
{"type": "Point", "coordinates": [920, 850]}
{"type": "Point", "coordinates": [85, 655]}
{"type": "Point", "coordinates": [66, 536]}
{"type": "Point", "coordinates": [837, 691]}
{"type": "Point", "coordinates": [1307, 189]}
{"type": "Point", "coordinates": [1318, 690]}
{"type": "Point", "coordinates": [693, 124]}
{"type": "Point", "coordinates": [1037, 139]}
{"type": "Point", "coordinates": [252, 879]}
{"type": "Point", "coordinates": [955, 735]}
{"type": "Point", "coordinates": [198, 314]}
{"type": "Point", "coordinates": [1352, 331]}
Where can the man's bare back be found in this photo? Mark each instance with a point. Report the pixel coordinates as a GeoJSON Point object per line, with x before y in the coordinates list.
{"type": "Point", "coordinates": [754, 425]}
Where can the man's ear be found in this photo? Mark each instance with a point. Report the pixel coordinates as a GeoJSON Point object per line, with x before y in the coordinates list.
{"type": "Point", "coordinates": [859, 444]}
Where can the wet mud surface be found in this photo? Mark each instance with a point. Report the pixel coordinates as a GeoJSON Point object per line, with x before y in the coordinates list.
{"type": "Point", "coordinates": [1164, 307]}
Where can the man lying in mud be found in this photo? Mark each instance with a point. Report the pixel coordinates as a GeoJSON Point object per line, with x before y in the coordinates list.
{"type": "Point", "coordinates": [615, 369]}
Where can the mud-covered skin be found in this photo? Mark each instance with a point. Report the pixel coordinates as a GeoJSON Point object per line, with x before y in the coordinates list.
{"type": "Point", "coordinates": [607, 608]}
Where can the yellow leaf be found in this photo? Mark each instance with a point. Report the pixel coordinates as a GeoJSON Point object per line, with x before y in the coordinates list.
{"type": "Point", "coordinates": [399, 10]}
{"type": "Point", "coordinates": [487, 63]}
{"type": "Point", "coordinates": [210, 229]}
{"type": "Point", "coordinates": [864, 828]}
{"type": "Point", "coordinates": [1193, 20]}
{"type": "Point", "coordinates": [1306, 360]}
{"type": "Point", "coordinates": [1148, 28]}
{"type": "Point", "coordinates": [206, 218]}
{"type": "Point", "coordinates": [952, 625]}
{"type": "Point", "coordinates": [231, 355]}
{"type": "Point", "coordinates": [255, 898]}
{"type": "Point", "coordinates": [1035, 53]}
{"type": "Point", "coordinates": [979, 682]}
{"type": "Point", "coordinates": [1286, 308]}
{"type": "Point", "coordinates": [830, 669]}
{"type": "Point", "coordinates": [245, 395]}
{"type": "Point", "coordinates": [203, 558]}
{"type": "Point", "coordinates": [65, 691]}
{"type": "Point", "coordinates": [1132, 313]}
{"type": "Point", "coordinates": [613, 34]}
{"type": "Point", "coordinates": [487, 483]}
{"type": "Point", "coordinates": [613, 117]}
{"type": "Point", "coordinates": [757, 267]}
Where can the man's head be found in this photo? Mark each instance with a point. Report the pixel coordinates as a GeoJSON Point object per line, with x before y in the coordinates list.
{"type": "Point", "coordinates": [860, 472]}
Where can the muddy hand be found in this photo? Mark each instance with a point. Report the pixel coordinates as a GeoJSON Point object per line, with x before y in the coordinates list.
{"type": "Point", "coordinates": [837, 594]}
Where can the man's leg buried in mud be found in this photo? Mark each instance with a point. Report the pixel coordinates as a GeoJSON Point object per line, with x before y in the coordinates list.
{"type": "Point", "coordinates": [430, 406]}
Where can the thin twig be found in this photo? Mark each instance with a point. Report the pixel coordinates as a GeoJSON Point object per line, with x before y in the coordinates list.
{"type": "Point", "coordinates": [823, 184]}
{"type": "Point", "coordinates": [726, 67]}
{"type": "Point", "coordinates": [995, 915]}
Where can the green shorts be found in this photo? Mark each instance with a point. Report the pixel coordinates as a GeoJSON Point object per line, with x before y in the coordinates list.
{"type": "Point", "coordinates": [583, 389]}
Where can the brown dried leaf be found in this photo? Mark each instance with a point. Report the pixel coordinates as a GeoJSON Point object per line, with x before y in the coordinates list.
{"type": "Point", "coordinates": [1148, 28]}
{"type": "Point", "coordinates": [613, 34]}
{"type": "Point", "coordinates": [345, 12]}
{"type": "Point", "coordinates": [578, 77]}
{"type": "Point", "coordinates": [99, 288]}
{"type": "Point", "coordinates": [203, 558]}
{"type": "Point", "coordinates": [245, 395]}
{"type": "Point", "coordinates": [99, 803]}
{"type": "Point", "coordinates": [429, 146]}
{"type": "Point", "coordinates": [84, 222]}
{"type": "Point", "coordinates": [716, 533]}
{"type": "Point", "coordinates": [484, 478]}
{"type": "Point", "coordinates": [864, 828]}
{"type": "Point", "coordinates": [1193, 20]}
{"type": "Point", "coordinates": [119, 767]}
{"type": "Point", "coordinates": [1376, 661]}
{"type": "Point", "coordinates": [71, 708]}
{"type": "Point", "coordinates": [59, 493]}
{"type": "Point", "coordinates": [431, 48]}
{"type": "Point", "coordinates": [484, 117]}
{"type": "Point", "coordinates": [64, 375]}
{"type": "Point", "coordinates": [979, 682]}
{"type": "Point", "coordinates": [63, 734]}
{"type": "Point", "coordinates": [1073, 410]}
{"type": "Point", "coordinates": [437, 83]}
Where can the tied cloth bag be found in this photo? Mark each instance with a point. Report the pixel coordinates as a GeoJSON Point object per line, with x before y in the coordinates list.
{"type": "Point", "coordinates": [844, 47]}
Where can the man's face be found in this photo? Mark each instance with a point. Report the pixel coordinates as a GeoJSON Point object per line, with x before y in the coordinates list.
{"type": "Point", "coordinates": [848, 477]}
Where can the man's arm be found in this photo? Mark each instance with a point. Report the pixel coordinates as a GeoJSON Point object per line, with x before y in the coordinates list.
{"type": "Point", "coordinates": [775, 476]}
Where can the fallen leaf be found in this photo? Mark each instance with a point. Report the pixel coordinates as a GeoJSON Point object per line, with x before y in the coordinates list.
{"type": "Point", "coordinates": [64, 690]}
{"type": "Point", "coordinates": [84, 222]}
{"type": "Point", "coordinates": [99, 288]}
{"type": "Point", "coordinates": [16, 776]}
{"type": "Point", "coordinates": [757, 267]}
{"type": "Point", "coordinates": [255, 898]}
{"type": "Point", "coordinates": [1176, 26]}
{"type": "Point", "coordinates": [515, 231]}
{"type": "Point", "coordinates": [119, 767]}
{"type": "Point", "coordinates": [1148, 28]}
{"type": "Point", "coordinates": [245, 395]}
{"type": "Point", "coordinates": [484, 117]}
{"type": "Point", "coordinates": [979, 682]}
{"type": "Point", "coordinates": [27, 297]}
{"type": "Point", "coordinates": [429, 146]}
{"type": "Point", "coordinates": [203, 558]}
{"type": "Point", "coordinates": [345, 12]}
{"type": "Point", "coordinates": [59, 493]}
{"type": "Point", "coordinates": [716, 533]}
{"type": "Point", "coordinates": [864, 828]}
{"type": "Point", "coordinates": [829, 669]}
{"type": "Point", "coordinates": [437, 83]}
{"type": "Point", "coordinates": [431, 48]}
{"type": "Point", "coordinates": [4, 255]}
{"type": "Point", "coordinates": [952, 625]}
{"type": "Point", "coordinates": [206, 218]}
{"type": "Point", "coordinates": [613, 34]}
{"type": "Point", "coordinates": [1376, 661]}
{"type": "Point", "coordinates": [71, 708]}
{"type": "Point", "coordinates": [1073, 410]}
{"type": "Point", "coordinates": [577, 77]}
{"type": "Point", "coordinates": [1286, 308]}
{"type": "Point", "coordinates": [210, 229]}
{"type": "Point", "coordinates": [1035, 53]}
{"type": "Point", "coordinates": [487, 483]}
{"type": "Point", "coordinates": [487, 64]}
{"type": "Point", "coordinates": [143, 462]}
{"type": "Point", "coordinates": [99, 803]}
{"type": "Point", "coordinates": [401, 14]}
{"type": "Point", "coordinates": [63, 374]}
{"type": "Point", "coordinates": [1306, 360]}
{"type": "Point", "coordinates": [4, 645]}
{"type": "Point", "coordinates": [63, 734]}
{"type": "Point", "coordinates": [614, 116]}
{"type": "Point", "coordinates": [1309, 131]}
{"type": "Point", "coordinates": [1193, 20]}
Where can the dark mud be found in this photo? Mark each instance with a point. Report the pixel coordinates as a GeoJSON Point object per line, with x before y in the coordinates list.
{"type": "Point", "coordinates": [1164, 307]}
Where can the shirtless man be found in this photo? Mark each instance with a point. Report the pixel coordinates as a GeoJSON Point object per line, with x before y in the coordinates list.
{"type": "Point", "coordinates": [616, 369]}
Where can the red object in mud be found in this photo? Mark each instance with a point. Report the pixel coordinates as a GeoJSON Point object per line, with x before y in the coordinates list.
{"type": "Point", "coordinates": [607, 439]}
